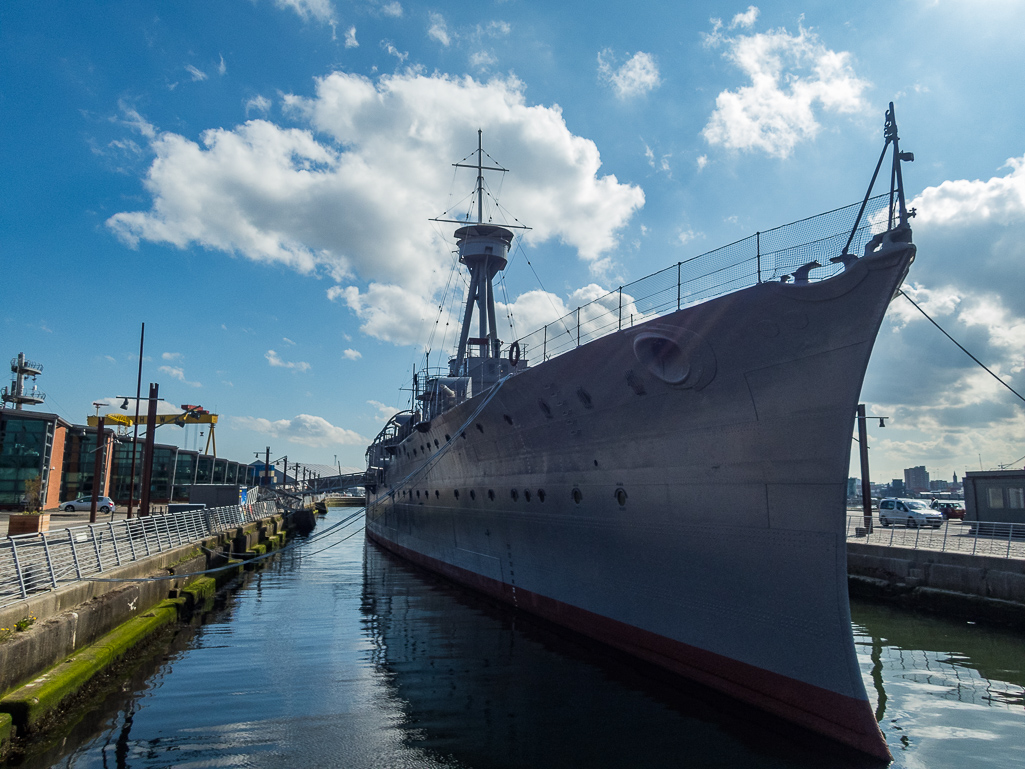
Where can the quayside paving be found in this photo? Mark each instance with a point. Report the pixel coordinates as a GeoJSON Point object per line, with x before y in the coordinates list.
{"type": "Point", "coordinates": [80, 629]}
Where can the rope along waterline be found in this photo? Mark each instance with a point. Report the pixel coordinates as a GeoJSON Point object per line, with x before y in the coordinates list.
{"type": "Point", "coordinates": [306, 541]}
{"type": "Point", "coordinates": [983, 365]}
{"type": "Point", "coordinates": [214, 570]}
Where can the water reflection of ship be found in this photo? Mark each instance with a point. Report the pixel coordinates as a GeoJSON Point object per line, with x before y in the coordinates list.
{"type": "Point", "coordinates": [482, 685]}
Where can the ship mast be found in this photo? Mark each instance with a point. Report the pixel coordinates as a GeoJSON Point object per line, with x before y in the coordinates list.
{"type": "Point", "coordinates": [483, 248]}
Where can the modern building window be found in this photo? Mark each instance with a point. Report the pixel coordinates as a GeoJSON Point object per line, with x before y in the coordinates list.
{"type": "Point", "coordinates": [996, 497]}
{"type": "Point", "coordinates": [24, 454]}
{"type": "Point", "coordinates": [1016, 498]}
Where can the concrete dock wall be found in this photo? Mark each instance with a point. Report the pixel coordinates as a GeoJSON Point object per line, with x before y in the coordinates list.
{"type": "Point", "coordinates": [71, 623]}
{"type": "Point", "coordinates": [954, 583]}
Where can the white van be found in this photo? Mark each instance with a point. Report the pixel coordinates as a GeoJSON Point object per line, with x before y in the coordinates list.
{"type": "Point", "coordinates": [911, 512]}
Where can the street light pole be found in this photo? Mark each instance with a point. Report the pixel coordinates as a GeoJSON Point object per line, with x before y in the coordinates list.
{"type": "Point", "coordinates": [97, 466]}
{"type": "Point", "coordinates": [866, 488]}
{"type": "Point", "coordinates": [147, 457]}
{"type": "Point", "coordinates": [135, 425]}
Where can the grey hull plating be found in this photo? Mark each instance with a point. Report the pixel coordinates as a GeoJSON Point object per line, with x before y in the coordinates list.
{"type": "Point", "coordinates": [675, 489]}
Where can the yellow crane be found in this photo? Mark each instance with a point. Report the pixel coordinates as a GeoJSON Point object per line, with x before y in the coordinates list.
{"type": "Point", "coordinates": [191, 415]}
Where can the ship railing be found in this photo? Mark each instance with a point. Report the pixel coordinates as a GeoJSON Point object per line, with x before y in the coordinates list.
{"type": "Point", "coordinates": [990, 538]}
{"type": "Point", "coordinates": [31, 564]}
{"type": "Point", "coordinates": [772, 255]}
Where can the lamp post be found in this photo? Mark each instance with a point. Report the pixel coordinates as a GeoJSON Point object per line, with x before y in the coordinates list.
{"type": "Point", "coordinates": [866, 488]}
{"type": "Point", "coordinates": [135, 424]}
{"type": "Point", "coordinates": [100, 457]}
{"type": "Point", "coordinates": [147, 458]}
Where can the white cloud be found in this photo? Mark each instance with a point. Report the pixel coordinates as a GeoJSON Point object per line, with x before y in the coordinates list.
{"type": "Point", "coordinates": [287, 341]}
{"type": "Point", "coordinates": [197, 74]}
{"type": "Point", "coordinates": [439, 30]}
{"type": "Point", "coordinates": [259, 104]}
{"type": "Point", "coordinates": [746, 19]}
{"type": "Point", "coordinates": [389, 46]}
{"type": "Point", "coordinates": [393, 9]}
{"type": "Point", "coordinates": [686, 236]}
{"type": "Point", "coordinates": [177, 372]}
{"type": "Point", "coordinates": [482, 60]}
{"type": "Point", "coordinates": [383, 411]}
{"type": "Point", "coordinates": [319, 10]}
{"type": "Point", "coordinates": [1001, 200]}
{"type": "Point", "coordinates": [352, 201]}
{"type": "Point", "coordinates": [637, 76]}
{"type": "Point", "coordinates": [303, 429]}
{"type": "Point", "coordinates": [222, 68]}
{"type": "Point", "coordinates": [350, 38]}
{"type": "Point", "coordinates": [790, 75]}
{"type": "Point", "coordinates": [947, 410]}
{"type": "Point", "coordinates": [172, 356]}
{"type": "Point", "coordinates": [134, 120]}
{"type": "Point", "coordinates": [495, 29]}
{"type": "Point", "coordinates": [351, 354]}
{"type": "Point", "coordinates": [660, 164]}
{"type": "Point", "coordinates": [701, 162]}
{"type": "Point", "coordinates": [274, 360]}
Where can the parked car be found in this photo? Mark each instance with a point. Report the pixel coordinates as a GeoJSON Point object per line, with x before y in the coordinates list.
{"type": "Point", "coordinates": [911, 512]}
{"type": "Point", "coordinates": [950, 509]}
{"type": "Point", "coordinates": [103, 504]}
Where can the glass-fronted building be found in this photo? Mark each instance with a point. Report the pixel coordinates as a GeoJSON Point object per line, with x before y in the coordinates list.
{"type": "Point", "coordinates": [185, 474]}
{"type": "Point", "coordinates": [79, 464]}
{"type": "Point", "coordinates": [121, 472]}
{"type": "Point", "coordinates": [31, 449]}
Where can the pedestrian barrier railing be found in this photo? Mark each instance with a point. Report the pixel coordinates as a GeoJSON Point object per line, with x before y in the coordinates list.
{"type": "Point", "coordinates": [35, 563]}
{"type": "Point", "coordinates": [994, 539]}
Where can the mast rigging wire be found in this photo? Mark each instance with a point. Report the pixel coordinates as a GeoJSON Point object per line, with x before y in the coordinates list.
{"type": "Point", "coordinates": [983, 365]}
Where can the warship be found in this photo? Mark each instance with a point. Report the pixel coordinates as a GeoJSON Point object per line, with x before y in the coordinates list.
{"type": "Point", "coordinates": [664, 469]}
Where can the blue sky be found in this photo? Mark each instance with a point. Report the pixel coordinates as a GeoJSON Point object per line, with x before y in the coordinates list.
{"type": "Point", "coordinates": [253, 179]}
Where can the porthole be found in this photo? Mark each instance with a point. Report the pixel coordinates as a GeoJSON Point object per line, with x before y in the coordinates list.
{"type": "Point", "coordinates": [491, 494]}
{"type": "Point", "coordinates": [418, 493]}
{"type": "Point", "coordinates": [456, 493]}
{"type": "Point", "coordinates": [540, 495]}
{"type": "Point", "coordinates": [621, 496]}
{"type": "Point", "coordinates": [436, 444]}
{"type": "Point", "coordinates": [526, 494]}
{"type": "Point", "coordinates": [437, 494]}
{"type": "Point", "coordinates": [578, 496]}
{"type": "Point", "coordinates": [585, 398]}
{"type": "Point", "coordinates": [414, 452]}
{"type": "Point", "coordinates": [473, 494]}
{"type": "Point", "coordinates": [480, 427]}
{"type": "Point", "coordinates": [447, 437]}
{"type": "Point", "coordinates": [596, 463]}
{"type": "Point", "coordinates": [463, 435]}
{"type": "Point", "coordinates": [545, 408]}
{"type": "Point", "coordinates": [507, 418]}
{"type": "Point", "coordinates": [514, 494]}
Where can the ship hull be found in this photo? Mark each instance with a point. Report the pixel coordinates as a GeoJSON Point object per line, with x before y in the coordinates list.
{"type": "Point", "coordinates": [675, 490]}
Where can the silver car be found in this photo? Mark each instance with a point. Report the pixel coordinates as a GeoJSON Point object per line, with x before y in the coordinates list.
{"type": "Point", "coordinates": [911, 512]}
{"type": "Point", "coordinates": [103, 504]}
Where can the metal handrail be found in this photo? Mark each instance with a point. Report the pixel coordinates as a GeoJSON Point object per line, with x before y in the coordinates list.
{"type": "Point", "coordinates": [36, 563]}
{"type": "Point", "coordinates": [989, 538]}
